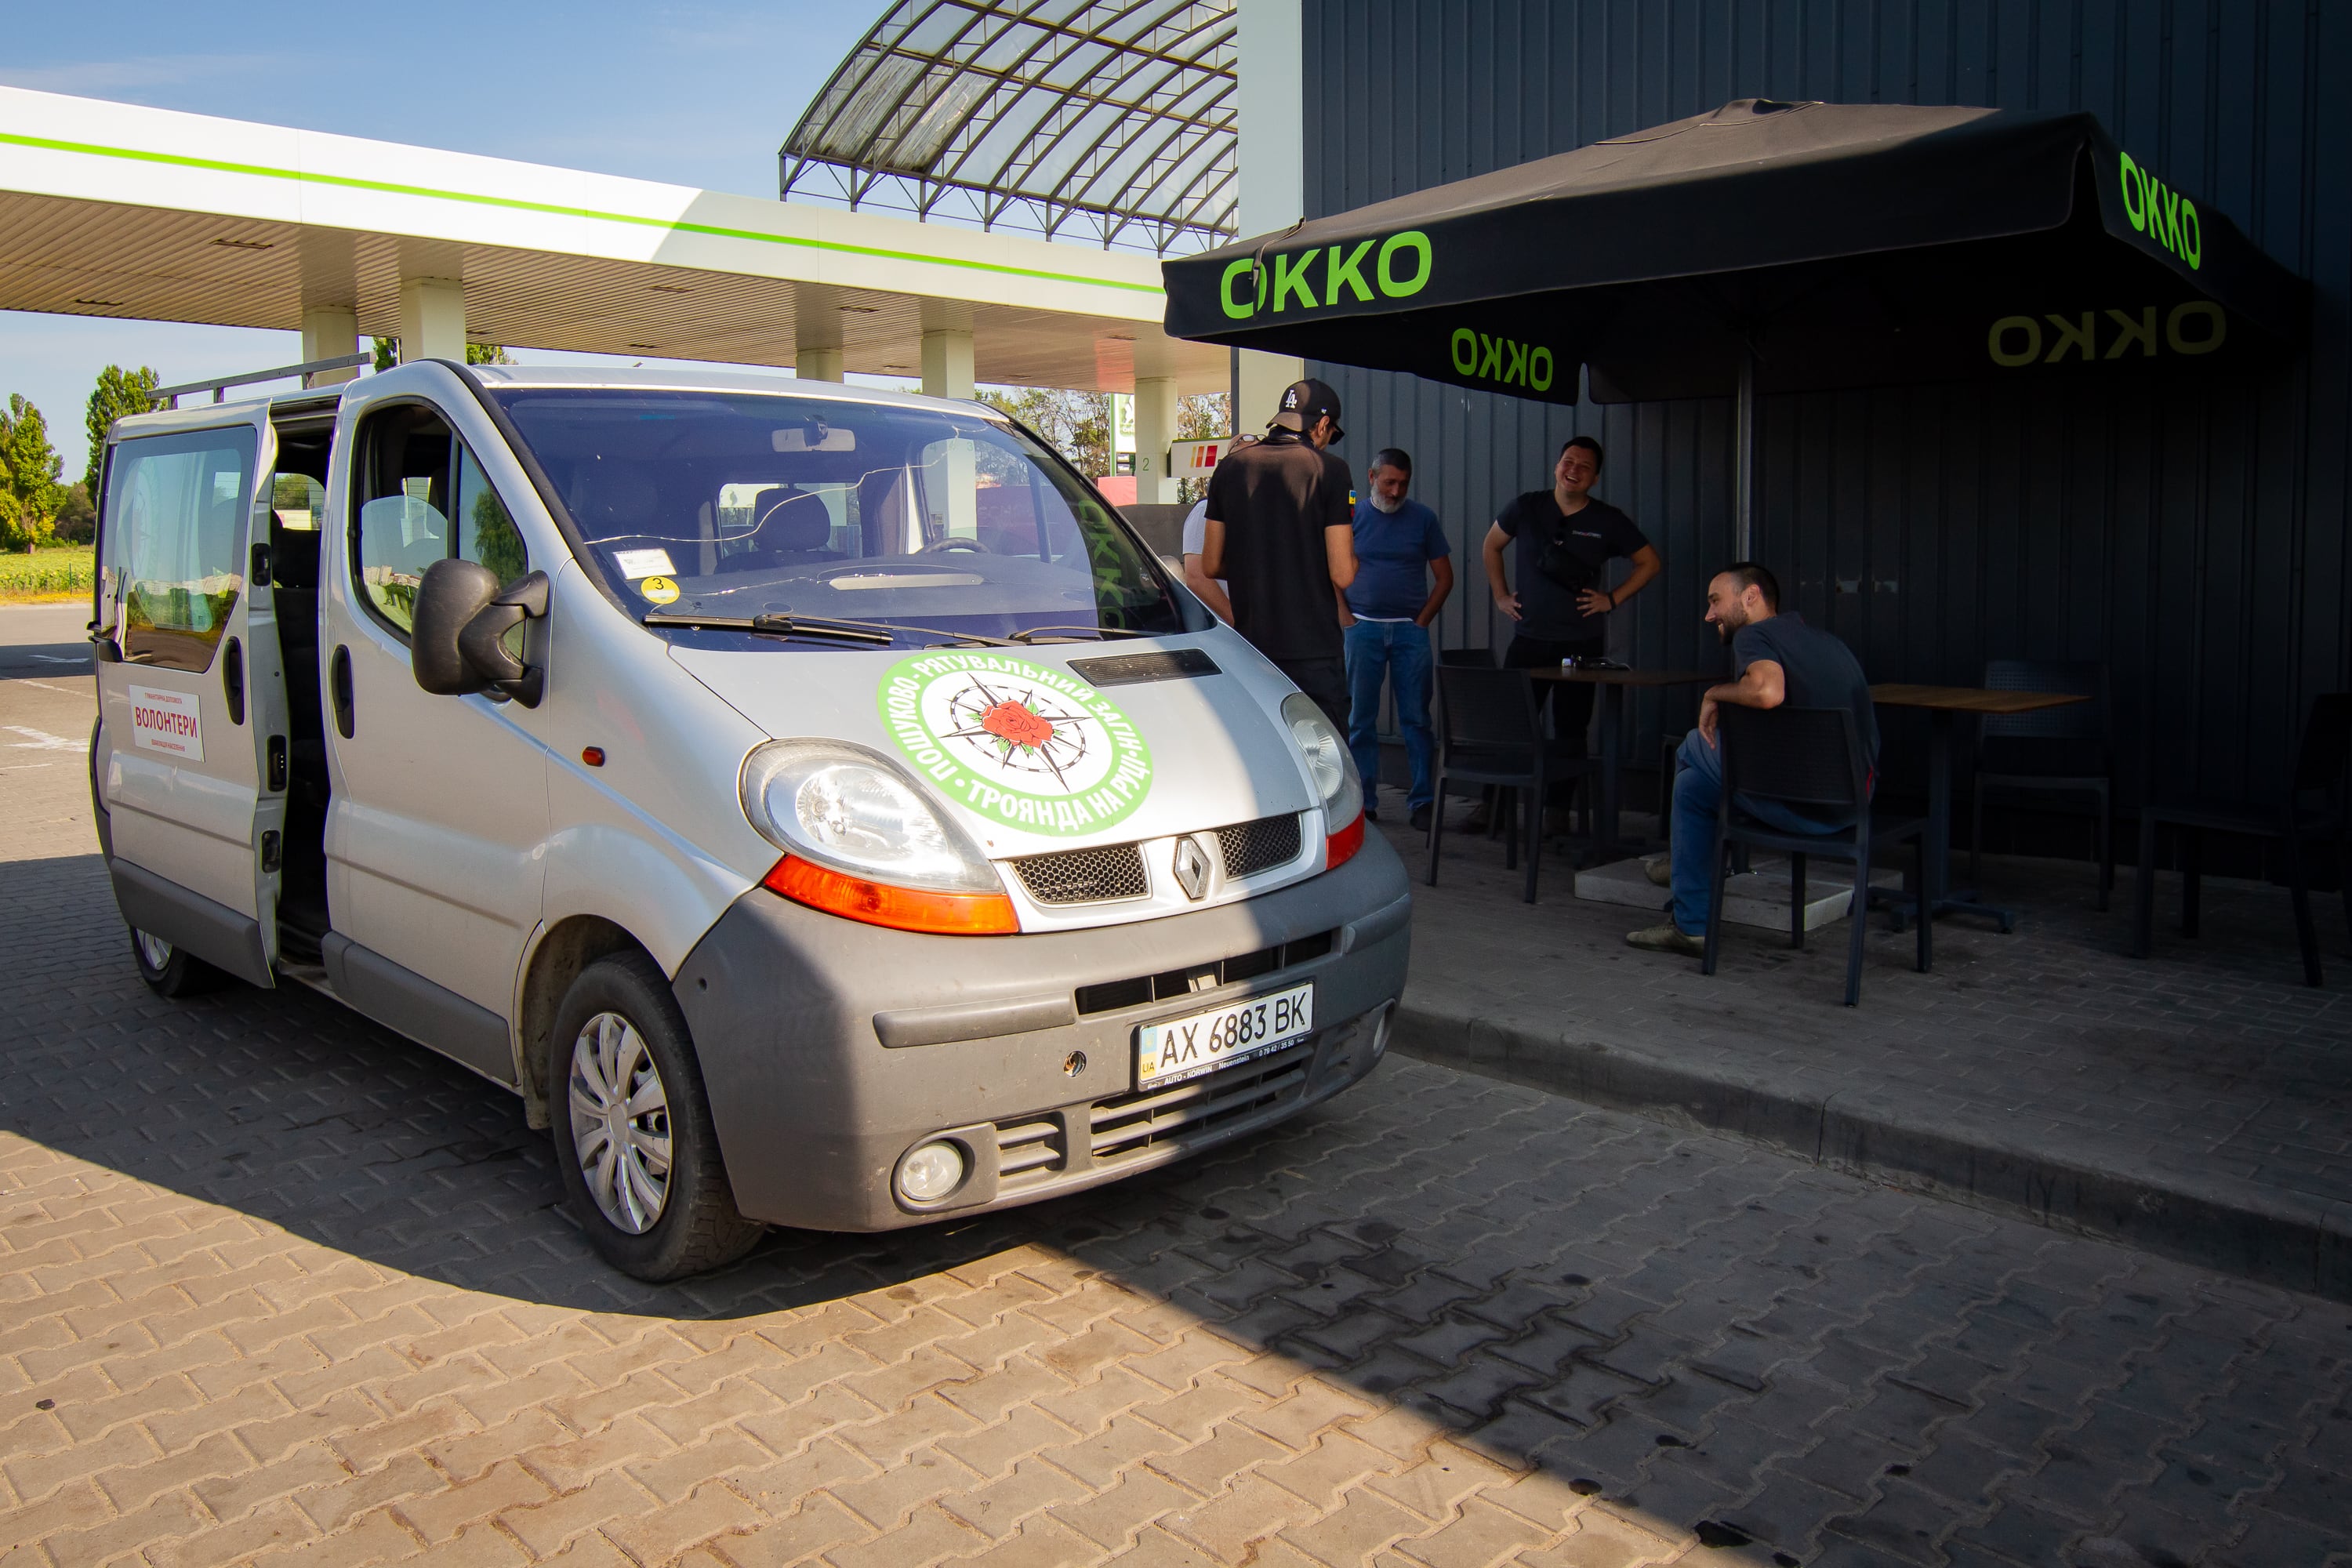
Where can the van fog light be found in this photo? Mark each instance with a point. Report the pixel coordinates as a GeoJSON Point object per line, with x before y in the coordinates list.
{"type": "Point", "coordinates": [930, 1173]}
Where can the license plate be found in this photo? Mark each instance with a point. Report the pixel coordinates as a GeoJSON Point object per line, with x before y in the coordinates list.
{"type": "Point", "coordinates": [1183, 1048]}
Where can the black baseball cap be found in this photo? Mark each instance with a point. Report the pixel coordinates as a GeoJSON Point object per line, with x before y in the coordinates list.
{"type": "Point", "coordinates": [1304, 403]}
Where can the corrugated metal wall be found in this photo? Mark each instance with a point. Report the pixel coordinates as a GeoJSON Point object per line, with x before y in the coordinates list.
{"type": "Point", "coordinates": [2193, 536]}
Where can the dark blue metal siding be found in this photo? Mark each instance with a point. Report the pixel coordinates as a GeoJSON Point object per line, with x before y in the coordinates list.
{"type": "Point", "coordinates": [2192, 534]}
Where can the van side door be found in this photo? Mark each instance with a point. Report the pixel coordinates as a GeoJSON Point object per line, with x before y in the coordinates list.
{"type": "Point", "coordinates": [438, 816]}
{"type": "Point", "coordinates": [191, 698]}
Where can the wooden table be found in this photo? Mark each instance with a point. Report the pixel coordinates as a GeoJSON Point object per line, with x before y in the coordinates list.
{"type": "Point", "coordinates": [1612, 683]}
{"type": "Point", "coordinates": [1942, 704]}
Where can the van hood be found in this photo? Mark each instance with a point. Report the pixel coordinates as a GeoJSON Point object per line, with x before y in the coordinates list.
{"type": "Point", "coordinates": [1049, 748]}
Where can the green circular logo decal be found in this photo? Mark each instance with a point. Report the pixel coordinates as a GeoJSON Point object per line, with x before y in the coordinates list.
{"type": "Point", "coordinates": [1020, 743]}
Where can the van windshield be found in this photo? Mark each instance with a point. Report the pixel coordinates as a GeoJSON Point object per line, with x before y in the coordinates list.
{"type": "Point", "coordinates": [738, 505]}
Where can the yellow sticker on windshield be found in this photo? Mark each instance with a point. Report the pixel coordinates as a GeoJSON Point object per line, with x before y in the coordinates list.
{"type": "Point", "coordinates": [658, 590]}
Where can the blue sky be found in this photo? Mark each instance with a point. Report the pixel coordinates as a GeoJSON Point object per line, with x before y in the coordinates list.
{"type": "Point", "coordinates": [698, 95]}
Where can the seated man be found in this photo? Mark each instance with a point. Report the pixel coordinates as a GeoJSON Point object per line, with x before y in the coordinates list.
{"type": "Point", "coordinates": [1775, 658]}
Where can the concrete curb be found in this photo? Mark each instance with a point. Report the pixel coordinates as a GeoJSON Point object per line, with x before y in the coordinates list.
{"type": "Point", "coordinates": [2216, 1228]}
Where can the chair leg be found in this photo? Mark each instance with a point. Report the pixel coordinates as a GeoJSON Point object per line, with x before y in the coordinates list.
{"type": "Point", "coordinates": [1436, 823]}
{"type": "Point", "coordinates": [2298, 881]}
{"type": "Point", "coordinates": [1926, 916]}
{"type": "Point", "coordinates": [2106, 847]}
{"type": "Point", "coordinates": [1976, 831]}
{"type": "Point", "coordinates": [2144, 915]}
{"type": "Point", "coordinates": [1715, 909]}
{"type": "Point", "coordinates": [2192, 876]}
{"type": "Point", "coordinates": [1797, 901]}
{"type": "Point", "coordinates": [1536, 794]}
{"type": "Point", "coordinates": [2344, 866]}
{"type": "Point", "coordinates": [1861, 927]}
{"type": "Point", "coordinates": [1509, 805]}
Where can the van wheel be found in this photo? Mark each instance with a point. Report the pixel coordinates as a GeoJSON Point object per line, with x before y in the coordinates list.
{"type": "Point", "coordinates": [170, 971]}
{"type": "Point", "coordinates": [633, 1132]}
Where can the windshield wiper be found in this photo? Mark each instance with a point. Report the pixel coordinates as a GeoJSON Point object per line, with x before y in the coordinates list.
{"type": "Point", "coordinates": [781, 626]}
{"type": "Point", "coordinates": [880, 634]}
{"type": "Point", "coordinates": [1100, 634]}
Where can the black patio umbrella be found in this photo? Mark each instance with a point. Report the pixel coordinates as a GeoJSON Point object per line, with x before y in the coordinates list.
{"type": "Point", "coordinates": [1765, 246]}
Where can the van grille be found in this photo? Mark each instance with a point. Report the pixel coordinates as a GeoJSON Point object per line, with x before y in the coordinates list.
{"type": "Point", "coordinates": [1109, 995]}
{"type": "Point", "coordinates": [1250, 848]}
{"type": "Point", "coordinates": [1085, 876]}
{"type": "Point", "coordinates": [1123, 1126]}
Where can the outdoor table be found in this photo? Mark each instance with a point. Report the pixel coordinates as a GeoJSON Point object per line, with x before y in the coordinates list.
{"type": "Point", "coordinates": [1613, 684]}
{"type": "Point", "coordinates": [1942, 702]}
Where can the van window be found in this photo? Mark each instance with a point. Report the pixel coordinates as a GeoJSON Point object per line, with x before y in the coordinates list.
{"type": "Point", "coordinates": [422, 498]}
{"type": "Point", "coordinates": [738, 505]}
{"type": "Point", "coordinates": [175, 542]}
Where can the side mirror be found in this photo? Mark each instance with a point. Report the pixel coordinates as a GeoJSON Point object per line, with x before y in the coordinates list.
{"type": "Point", "coordinates": [454, 644]}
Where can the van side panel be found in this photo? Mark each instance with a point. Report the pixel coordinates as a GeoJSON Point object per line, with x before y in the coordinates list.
{"type": "Point", "coordinates": [654, 839]}
{"type": "Point", "coordinates": [430, 1014]}
{"type": "Point", "coordinates": [221, 936]}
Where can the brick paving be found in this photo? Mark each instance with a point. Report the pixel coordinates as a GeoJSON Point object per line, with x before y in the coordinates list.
{"type": "Point", "coordinates": [2201, 1091]}
{"type": "Point", "coordinates": [276, 1287]}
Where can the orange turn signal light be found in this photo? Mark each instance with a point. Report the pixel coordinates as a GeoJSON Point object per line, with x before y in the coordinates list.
{"type": "Point", "coordinates": [901, 908]}
{"type": "Point", "coordinates": [1340, 847]}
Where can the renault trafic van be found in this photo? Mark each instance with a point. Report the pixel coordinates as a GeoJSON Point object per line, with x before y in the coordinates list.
{"type": "Point", "coordinates": [815, 804]}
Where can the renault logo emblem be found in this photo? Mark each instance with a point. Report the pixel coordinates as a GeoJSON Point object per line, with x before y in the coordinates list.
{"type": "Point", "coordinates": [1191, 868]}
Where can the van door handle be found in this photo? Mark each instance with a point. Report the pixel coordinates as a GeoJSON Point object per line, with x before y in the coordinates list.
{"type": "Point", "coordinates": [339, 690]}
{"type": "Point", "coordinates": [233, 679]}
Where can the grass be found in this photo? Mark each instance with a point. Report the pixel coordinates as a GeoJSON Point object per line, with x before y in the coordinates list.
{"type": "Point", "coordinates": [61, 572]}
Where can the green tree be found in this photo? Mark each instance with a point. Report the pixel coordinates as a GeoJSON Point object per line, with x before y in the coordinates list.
{"type": "Point", "coordinates": [486, 353]}
{"type": "Point", "coordinates": [1075, 424]}
{"type": "Point", "coordinates": [387, 352]}
{"type": "Point", "coordinates": [118, 392]}
{"type": "Point", "coordinates": [77, 518]}
{"type": "Point", "coordinates": [32, 467]}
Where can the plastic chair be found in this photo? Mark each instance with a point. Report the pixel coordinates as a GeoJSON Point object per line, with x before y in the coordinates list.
{"type": "Point", "coordinates": [2059, 751]}
{"type": "Point", "coordinates": [1488, 733]}
{"type": "Point", "coordinates": [2314, 808]}
{"type": "Point", "coordinates": [1805, 756]}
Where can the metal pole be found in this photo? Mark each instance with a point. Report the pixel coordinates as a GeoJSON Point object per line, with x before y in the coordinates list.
{"type": "Point", "coordinates": [1743, 440]}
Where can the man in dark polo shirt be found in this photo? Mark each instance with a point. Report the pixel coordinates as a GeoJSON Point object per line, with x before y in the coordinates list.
{"type": "Point", "coordinates": [1565, 539]}
{"type": "Point", "coordinates": [1280, 533]}
{"type": "Point", "coordinates": [1776, 659]}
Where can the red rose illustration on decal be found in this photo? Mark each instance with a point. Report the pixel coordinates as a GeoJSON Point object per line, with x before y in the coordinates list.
{"type": "Point", "coordinates": [1018, 723]}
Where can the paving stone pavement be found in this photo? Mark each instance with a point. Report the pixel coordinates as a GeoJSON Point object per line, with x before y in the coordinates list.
{"type": "Point", "coordinates": [277, 1287]}
{"type": "Point", "coordinates": [2199, 1101]}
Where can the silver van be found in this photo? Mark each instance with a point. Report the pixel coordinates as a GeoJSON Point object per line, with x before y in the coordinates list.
{"type": "Point", "coordinates": [816, 804]}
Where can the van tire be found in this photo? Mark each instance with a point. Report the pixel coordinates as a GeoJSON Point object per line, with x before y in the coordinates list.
{"type": "Point", "coordinates": [173, 972]}
{"type": "Point", "coordinates": [697, 1226]}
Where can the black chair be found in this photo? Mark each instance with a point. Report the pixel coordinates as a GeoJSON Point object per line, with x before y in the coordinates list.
{"type": "Point", "coordinates": [2313, 809]}
{"type": "Point", "coordinates": [1489, 732]}
{"type": "Point", "coordinates": [2067, 751]}
{"type": "Point", "coordinates": [1469, 657]}
{"type": "Point", "coordinates": [1804, 756]}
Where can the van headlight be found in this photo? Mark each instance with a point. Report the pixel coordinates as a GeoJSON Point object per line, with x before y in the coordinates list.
{"type": "Point", "coordinates": [848, 809]}
{"type": "Point", "coordinates": [1328, 762]}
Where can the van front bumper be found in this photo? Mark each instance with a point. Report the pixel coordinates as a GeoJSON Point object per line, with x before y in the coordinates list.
{"type": "Point", "coordinates": [791, 1010]}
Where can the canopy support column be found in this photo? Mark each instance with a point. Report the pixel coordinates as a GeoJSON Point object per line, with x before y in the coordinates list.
{"type": "Point", "coordinates": [1743, 445]}
{"type": "Point", "coordinates": [328, 332]}
{"type": "Point", "coordinates": [1158, 412]}
{"type": "Point", "coordinates": [947, 362]}
{"type": "Point", "coordinates": [432, 320]}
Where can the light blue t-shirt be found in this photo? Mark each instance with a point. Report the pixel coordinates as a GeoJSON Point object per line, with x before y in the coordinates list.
{"type": "Point", "coordinates": [1393, 551]}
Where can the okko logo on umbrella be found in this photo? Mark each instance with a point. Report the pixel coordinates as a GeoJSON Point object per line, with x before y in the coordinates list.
{"type": "Point", "coordinates": [1022, 743]}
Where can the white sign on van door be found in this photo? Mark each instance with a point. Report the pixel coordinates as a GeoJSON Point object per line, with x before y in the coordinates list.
{"type": "Point", "coordinates": [167, 721]}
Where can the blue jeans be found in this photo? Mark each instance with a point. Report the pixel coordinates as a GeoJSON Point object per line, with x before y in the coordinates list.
{"type": "Point", "coordinates": [1398, 650]}
{"type": "Point", "coordinates": [1698, 792]}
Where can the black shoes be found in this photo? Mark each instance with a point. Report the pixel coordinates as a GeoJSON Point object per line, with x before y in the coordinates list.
{"type": "Point", "coordinates": [1418, 820]}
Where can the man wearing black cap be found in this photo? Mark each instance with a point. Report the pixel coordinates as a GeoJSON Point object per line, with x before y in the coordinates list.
{"type": "Point", "coordinates": [1281, 533]}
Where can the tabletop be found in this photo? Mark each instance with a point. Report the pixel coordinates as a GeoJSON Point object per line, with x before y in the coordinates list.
{"type": "Point", "coordinates": [1625, 677]}
{"type": "Point", "coordinates": [1972, 699]}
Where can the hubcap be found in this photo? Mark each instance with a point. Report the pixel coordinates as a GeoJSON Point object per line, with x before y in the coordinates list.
{"type": "Point", "coordinates": [153, 948]}
{"type": "Point", "coordinates": [620, 1122]}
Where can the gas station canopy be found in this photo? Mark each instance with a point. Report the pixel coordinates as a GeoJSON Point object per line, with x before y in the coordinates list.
{"type": "Point", "coordinates": [108, 209]}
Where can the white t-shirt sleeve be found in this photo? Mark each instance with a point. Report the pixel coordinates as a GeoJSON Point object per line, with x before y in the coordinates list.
{"type": "Point", "coordinates": [1196, 528]}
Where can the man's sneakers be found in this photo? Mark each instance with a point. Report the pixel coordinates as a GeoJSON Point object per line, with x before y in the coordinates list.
{"type": "Point", "coordinates": [1666, 938]}
{"type": "Point", "coordinates": [1660, 869]}
{"type": "Point", "coordinates": [1371, 812]}
{"type": "Point", "coordinates": [1418, 820]}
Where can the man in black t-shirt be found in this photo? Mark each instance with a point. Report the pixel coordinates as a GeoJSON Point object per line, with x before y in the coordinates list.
{"type": "Point", "coordinates": [1776, 659]}
{"type": "Point", "coordinates": [1280, 532]}
{"type": "Point", "coordinates": [1565, 541]}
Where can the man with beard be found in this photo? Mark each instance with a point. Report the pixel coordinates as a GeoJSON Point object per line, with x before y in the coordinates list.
{"type": "Point", "coordinates": [1386, 613]}
{"type": "Point", "coordinates": [1776, 659]}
